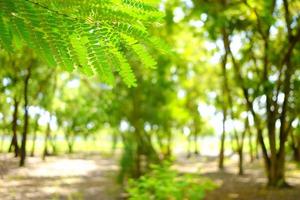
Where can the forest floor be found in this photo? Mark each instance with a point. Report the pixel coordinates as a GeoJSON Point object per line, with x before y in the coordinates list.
{"type": "Point", "coordinates": [93, 177]}
{"type": "Point", "coordinates": [68, 177]}
{"type": "Point", "coordinates": [250, 186]}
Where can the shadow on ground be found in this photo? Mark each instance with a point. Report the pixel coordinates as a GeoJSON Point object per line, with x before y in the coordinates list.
{"type": "Point", "coordinates": [84, 177]}
{"type": "Point", "coordinates": [251, 186]}
{"type": "Point", "coordinates": [93, 177]}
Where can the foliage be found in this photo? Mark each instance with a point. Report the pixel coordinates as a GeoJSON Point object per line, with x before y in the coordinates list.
{"type": "Point", "coordinates": [235, 68]}
{"type": "Point", "coordinates": [89, 36]}
{"type": "Point", "coordinates": [163, 183]}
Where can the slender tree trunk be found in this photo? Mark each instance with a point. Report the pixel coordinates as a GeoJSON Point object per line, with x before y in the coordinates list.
{"type": "Point", "coordinates": [14, 142]}
{"type": "Point", "coordinates": [295, 145]}
{"type": "Point", "coordinates": [241, 159]}
{"type": "Point", "coordinates": [70, 147]}
{"type": "Point", "coordinates": [196, 148]}
{"type": "Point", "coordinates": [257, 148]}
{"type": "Point", "coordinates": [53, 145]}
{"type": "Point", "coordinates": [145, 153]}
{"type": "Point", "coordinates": [222, 145]}
{"type": "Point", "coordinates": [196, 129]}
{"type": "Point", "coordinates": [70, 142]}
{"type": "Point", "coordinates": [296, 152]}
{"type": "Point", "coordinates": [139, 152]}
{"type": "Point", "coordinates": [34, 136]}
{"type": "Point", "coordinates": [251, 151]}
{"type": "Point", "coordinates": [189, 154]}
{"type": "Point", "coordinates": [46, 151]}
{"type": "Point", "coordinates": [2, 142]}
{"type": "Point", "coordinates": [241, 148]}
{"type": "Point", "coordinates": [26, 117]}
{"type": "Point", "coordinates": [226, 99]}
{"type": "Point", "coordinates": [138, 161]}
{"type": "Point", "coordinates": [160, 144]}
{"type": "Point", "coordinates": [169, 144]}
{"type": "Point", "coordinates": [114, 138]}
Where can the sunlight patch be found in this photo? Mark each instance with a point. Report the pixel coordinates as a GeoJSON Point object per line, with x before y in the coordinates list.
{"type": "Point", "coordinates": [64, 168]}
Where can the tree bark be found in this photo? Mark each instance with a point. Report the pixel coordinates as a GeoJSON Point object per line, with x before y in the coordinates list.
{"type": "Point", "coordinates": [26, 117]}
{"type": "Point", "coordinates": [241, 148]}
{"type": "Point", "coordinates": [296, 152]}
{"type": "Point", "coordinates": [226, 98]}
{"type": "Point", "coordinates": [196, 148]}
{"type": "Point", "coordinates": [189, 146]}
{"type": "Point", "coordinates": [257, 148]}
{"type": "Point", "coordinates": [34, 136]}
{"type": "Point", "coordinates": [295, 145]}
{"type": "Point", "coordinates": [241, 159]}
{"type": "Point", "coordinates": [53, 145]}
{"type": "Point", "coordinates": [45, 151]}
{"type": "Point", "coordinates": [70, 146]}
{"type": "Point", "coordinates": [196, 133]}
{"type": "Point", "coordinates": [145, 153]}
{"type": "Point", "coordinates": [14, 142]}
{"type": "Point", "coordinates": [222, 145]}
{"type": "Point", "coordinates": [276, 175]}
{"type": "Point", "coordinates": [251, 150]}
{"type": "Point", "coordinates": [169, 144]}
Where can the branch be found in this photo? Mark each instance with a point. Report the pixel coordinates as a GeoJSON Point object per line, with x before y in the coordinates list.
{"type": "Point", "coordinates": [293, 41]}
{"type": "Point", "coordinates": [259, 26]}
{"type": "Point", "coordinates": [51, 10]}
{"type": "Point", "coordinates": [287, 18]}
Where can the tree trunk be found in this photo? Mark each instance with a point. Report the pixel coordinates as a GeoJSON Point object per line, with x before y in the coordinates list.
{"type": "Point", "coordinates": [251, 151]}
{"type": "Point", "coordinates": [53, 145]}
{"type": "Point", "coordinates": [196, 148]}
{"type": "Point", "coordinates": [222, 146]}
{"type": "Point", "coordinates": [138, 161]}
{"type": "Point", "coordinates": [14, 142]}
{"type": "Point", "coordinates": [34, 136]}
{"type": "Point", "coordinates": [46, 152]}
{"type": "Point", "coordinates": [70, 147]}
{"type": "Point", "coordinates": [145, 153]}
{"type": "Point", "coordinates": [257, 148]}
{"type": "Point", "coordinates": [70, 141]}
{"type": "Point", "coordinates": [241, 166]}
{"type": "Point", "coordinates": [26, 117]}
{"type": "Point", "coordinates": [297, 153]}
{"type": "Point", "coordinates": [295, 145]}
{"type": "Point", "coordinates": [2, 142]}
{"type": "Point", "coordinates": [189, 154]}
{"type": "Point", "coordinates": [275, 173]}
{"type": "Point", "coordinates": [226, 98]}
{"type": "Point", "coordinates": [169, 144]}
{"type": "Point", "coordinates": [241, 148]}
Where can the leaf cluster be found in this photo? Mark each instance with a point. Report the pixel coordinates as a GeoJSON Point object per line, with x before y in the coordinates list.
{"type": "Point", "coordinates": [164, 183]}
{"type": "Point", "coordinates": [93, 37]}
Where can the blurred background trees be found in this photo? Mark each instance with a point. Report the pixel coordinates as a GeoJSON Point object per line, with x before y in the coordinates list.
{"type": "Point", "coordinates": [232, 79]}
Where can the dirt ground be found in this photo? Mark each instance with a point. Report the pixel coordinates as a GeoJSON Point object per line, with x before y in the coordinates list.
{"type": "Point", "coordinates": [251, 186]}
{"type": "Point", "coordinates": [93, 177]}
{"type": "Point", "coordinates": [74, 177]}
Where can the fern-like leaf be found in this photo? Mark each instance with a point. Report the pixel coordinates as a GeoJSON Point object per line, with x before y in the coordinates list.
{"type": "Point", "coordinates": [86, 35]}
